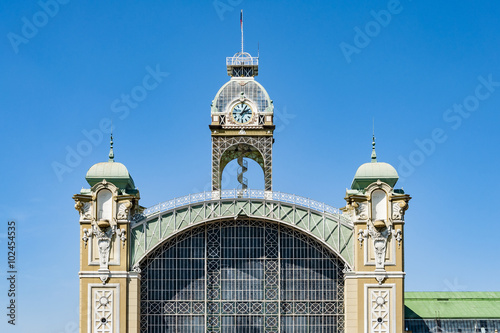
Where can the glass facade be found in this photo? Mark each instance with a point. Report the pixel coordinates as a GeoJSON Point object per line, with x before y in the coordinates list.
{"type": "Point", "coordinates": [233, 90]}
{"type": "Point", "coordinates": [242, 276]}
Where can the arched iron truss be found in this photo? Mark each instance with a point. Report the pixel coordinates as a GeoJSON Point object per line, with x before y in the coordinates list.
{"type": "Point", "coordinates": [242, 275]}
{"type": "Point", "coordinates": [260, 152]}
{"type": "Point", "coordinates": [318, 220]}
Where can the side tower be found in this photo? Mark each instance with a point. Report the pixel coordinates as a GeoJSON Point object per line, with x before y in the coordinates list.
{"type": "Point", "coordinates": [109, 288]}
{"type": "Point", "coordinates": [241, 121]}
{"type": "Point", "coordinates": [374, 289]}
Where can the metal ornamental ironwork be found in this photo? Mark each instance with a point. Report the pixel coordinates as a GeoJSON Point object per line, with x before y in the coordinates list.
{"type": "Point", "coordinates": [242, 276]}
{"type": "Point", "coordinates": [316, 219]}
{"type": "Point", "coordinates": [242, 59]}
{"type": "Point", "coordinates": [259, 149]}
{"type": "Point", "coordinates": [234, 194]}
{"type": "Point", "coordinates": [251, 89]}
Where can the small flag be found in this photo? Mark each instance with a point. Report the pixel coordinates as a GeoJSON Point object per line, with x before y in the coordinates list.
{"type": "Point", "coordinates": [241, 20]}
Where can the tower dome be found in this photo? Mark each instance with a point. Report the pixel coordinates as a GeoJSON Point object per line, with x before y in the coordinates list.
{"type": "Point", "coordinates": [112, 171]}
{"type": "Point", "coordinates": [372, 171]}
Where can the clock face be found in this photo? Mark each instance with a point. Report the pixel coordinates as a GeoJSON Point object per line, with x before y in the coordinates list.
{"type": "Point", "coordinates": [242, 113]}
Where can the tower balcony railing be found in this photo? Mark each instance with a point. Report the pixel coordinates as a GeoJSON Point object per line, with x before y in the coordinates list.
{"type": "Point", "coordinates": [242, 59]}
{"type": "Point", "coordinates": [240, 195]}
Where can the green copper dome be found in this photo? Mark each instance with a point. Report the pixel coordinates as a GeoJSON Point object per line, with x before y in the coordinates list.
{"type": "Point", "coordinates": [112, 171]}
{"type": "Point", "coordinates": [373, 171]}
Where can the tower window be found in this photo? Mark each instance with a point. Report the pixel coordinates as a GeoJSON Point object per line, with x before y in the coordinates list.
{"type": "Point", "coordinates": [104, 205]}
{"type": "Point", "coordinates": [379, 205]}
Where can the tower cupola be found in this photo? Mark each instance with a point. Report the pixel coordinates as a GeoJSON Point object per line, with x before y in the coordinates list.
{"type": "Point", "coordinates": [372, 171]}
{"type": "Point", "coordinates": [112, 171]}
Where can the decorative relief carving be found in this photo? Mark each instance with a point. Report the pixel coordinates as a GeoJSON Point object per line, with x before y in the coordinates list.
{"type": "Point", "coordinates": [84, 208]}
{"type": "Point", "coordinates": [380, 278]}
{"type": "Point", "coordinates": [379, 244]}
{"type": "Point", "coordinates": [103, 275]}
{"type": "Point", "coordinates": [103, 310]}
{"type": "Point", "coordinates": [87, 211]}
{"type": "Point", "coordinates": [379, 310]}
{"type": "Point", "coordinates": [361, 210]}
{"type": "Point", "coordinates": [398, 209]}
{"type": "Point", "coordinates": [124, 210]}
{"type": "Point", "coordinates": [104, 238]}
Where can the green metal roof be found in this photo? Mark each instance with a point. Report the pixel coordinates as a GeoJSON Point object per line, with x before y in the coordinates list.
{"type": "Point", "coordinates": [113, 172]}
{"type": "Point", "coordinates": [452, 305]}
{"type": "Point", "coordinates": [373, 171]}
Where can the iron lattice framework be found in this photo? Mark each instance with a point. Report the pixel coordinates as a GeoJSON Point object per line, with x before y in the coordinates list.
{"type": "Point", "coordinates": [223, 151]}
{"type": "Point", "coordinates": [165, 220]}
{"type": "Point", "coordinates": [251, 89]}
{"type": "Point", "coordinates": [242, 276]}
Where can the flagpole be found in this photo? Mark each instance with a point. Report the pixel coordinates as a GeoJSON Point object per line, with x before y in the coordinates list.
{"type": "Point", "coordinates": [241, 25]}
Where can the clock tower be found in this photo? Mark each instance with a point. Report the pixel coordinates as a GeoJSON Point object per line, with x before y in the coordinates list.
{"type": "Point", "coordinates": [241, 122]}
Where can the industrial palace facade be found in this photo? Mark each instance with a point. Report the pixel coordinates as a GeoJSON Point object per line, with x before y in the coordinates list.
{"type": "Point", "coordinates": [255, 260]}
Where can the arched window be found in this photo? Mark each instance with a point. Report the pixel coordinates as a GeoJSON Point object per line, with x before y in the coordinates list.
{"type": "Point", "coordinates": [379, 205]}
{"type": "Point", "coordinates": [104, 209]}
{"type": "Point", "coordinates": [242, 276]}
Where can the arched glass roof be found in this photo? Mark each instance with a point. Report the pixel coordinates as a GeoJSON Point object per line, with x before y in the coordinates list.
{"type": "Point", "coordinates": [252, 90]}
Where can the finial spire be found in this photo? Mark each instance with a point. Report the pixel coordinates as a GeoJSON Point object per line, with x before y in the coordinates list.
{"type": "Point", "coordinates": [111, 154]}
{"type": "Point", "coordinates": [374, 154]}
{"type": "Point", "coordinates": [241, 27]}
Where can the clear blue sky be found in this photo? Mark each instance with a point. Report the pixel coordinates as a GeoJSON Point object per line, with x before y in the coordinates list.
{"type": "Point", "coordinates": [328, 81]}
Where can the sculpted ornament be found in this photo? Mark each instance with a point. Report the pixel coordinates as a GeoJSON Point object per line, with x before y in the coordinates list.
{"type": "Point", "coordinates": [380, 278]}
{"type": "Point", "coordinates": [398, 236]}
{"type": "Point", "coordinates": [362, 234]}
{"type": "Point", "coordinates": [79, 206]}
{"type": "Point", "coordinates": [123, 236]}
{"type": "Point", "coordinates": [398, 208]}
{"type": "Point", "coordinates": [123, 210]}
{"type": "Point", "coordinates": [86, 236]}
{"type": "Point", "coordinates": [104, 238]}
{"type": "Point", "coordinates": [84, 209]}
{"type": "Point", "coordinates": [361, 210]}
{"type": "Point", "coordinates": [379, 244]}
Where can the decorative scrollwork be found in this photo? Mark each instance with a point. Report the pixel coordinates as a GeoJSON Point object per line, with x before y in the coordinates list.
{"type": "Point", "coordinates": [361, 210]}
{"type": "Point", "coordinates": [398, 209]}
{"type": "Point", "coordinates": [104, 238]}
{"type": "Point", "coordinates": [84, 209]}
{"type": "Point", "coordinates": [261, 152]}
{"type": "Point", "coordinates": [123, 210]}
{"type": "Point", "coordinates": [79, 205]}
